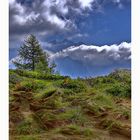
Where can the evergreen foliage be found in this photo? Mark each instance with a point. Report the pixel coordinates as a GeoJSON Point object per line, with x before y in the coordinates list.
{"type": "Point", "coordinates": [32, 57]}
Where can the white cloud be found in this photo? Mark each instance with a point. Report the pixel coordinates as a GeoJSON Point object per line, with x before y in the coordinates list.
{"type": "Point", "coordinates": [53, 18]}
{"type": "Point", "coordinates": [49, 16]}
{"type": "Point", "coordinates": [46, 11]}
{"type": "Point", "coordinates": [22, 19]}
{"type": "Point", "coordinates": [21, 16]}
{"type": "Point", "coordinates": [86, 3]}
{"type": "Point", "coordinates": [97, 55]}
{"type": "Point", "coordinates": [60, 4]}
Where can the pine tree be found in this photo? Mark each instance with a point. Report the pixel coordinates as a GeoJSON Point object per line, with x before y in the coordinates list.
{"type": "Point", "coordinates": [31, 55]}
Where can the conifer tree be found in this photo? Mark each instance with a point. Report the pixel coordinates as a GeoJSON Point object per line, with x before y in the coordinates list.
{"type": "Point", "coordinates": [31, 55]}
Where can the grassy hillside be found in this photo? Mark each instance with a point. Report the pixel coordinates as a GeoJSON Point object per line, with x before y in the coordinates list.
{"type": "Point", "coordinates": [54, 107]}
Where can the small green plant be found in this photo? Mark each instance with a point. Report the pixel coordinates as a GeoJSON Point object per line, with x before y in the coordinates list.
{"type": "Point", "coordinates": [76, 130]}
{"type": "Point", "coordinates": [87, 131]}
{"type": "Point", "coordinates": [74, 115]}
{"type": "Point", "coordinates": [74, 85]}
{"type": "Point", "coordinates": [98, 103]}
{"type": "Point", "coordinates": [71, 130]}
{"type": "Point", "coordinates": [119, 90]}
{"type": "Point", "coordinates": [31, 85]}
{"type": "Point", "coordinates": [24, 128]}
{"type": "Point", "coordinates": [14, 78]}
{"type": "Point", "coordinates": [69, 92]}
{"type": "Point", "coordinates": [48, 93]}
{"type": "Point", "coordinates": [110, 124]}
{"type": "Point", "coordinates": [27, 127]}
{"type": "Point", "coordinates": [126, 114]}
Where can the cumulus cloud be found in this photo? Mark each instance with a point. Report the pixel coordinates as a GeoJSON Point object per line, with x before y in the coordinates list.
{"type": "Point", "coordinates": [97, 56]}
{"type": "Point", "coordinates": [44, 15]}
{"type": "Point", "coordinates": [94, 55]}
{"type": "Point", "coordinates": [47, 16]}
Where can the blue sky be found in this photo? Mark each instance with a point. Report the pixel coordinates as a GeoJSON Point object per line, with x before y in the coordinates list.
{"type": "Point", "coordinates": [63, 27]}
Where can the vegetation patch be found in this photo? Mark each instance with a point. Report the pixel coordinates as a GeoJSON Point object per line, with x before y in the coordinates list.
{"type": "Point", "coordinates": [65, 108]}
{"type": "Point", "coordinates": [31, 85]}
{"type": "Point", "coordinates": [76, 130]}
{"type": "Point", "coordinates": [75, 86]}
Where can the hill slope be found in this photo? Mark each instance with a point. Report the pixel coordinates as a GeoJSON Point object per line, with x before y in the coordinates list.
{"type": "Point", "coordinates": [53, 107]}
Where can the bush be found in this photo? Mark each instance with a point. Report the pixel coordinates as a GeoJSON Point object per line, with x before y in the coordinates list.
{"type": "Point", "coordinates": [14, 78]}
{"type": "Point", "coordinates": [68, 92]}
{"type": "Point", "coordinates": [39, 75]}
{"type": "Point", "coordinates": [119, 90]}
{"type": "Point", "coordinates": [29, 74]}
{"type": "Point", "coordinates": [121, 75]}
{"type": "Point", "coordinates": [30, 86]}
{"type": "Point", "coordinates": [74, 85]}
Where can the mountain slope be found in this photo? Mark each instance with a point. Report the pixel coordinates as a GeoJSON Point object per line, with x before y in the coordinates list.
{"type": "Point", "coordinates": [50, 107]}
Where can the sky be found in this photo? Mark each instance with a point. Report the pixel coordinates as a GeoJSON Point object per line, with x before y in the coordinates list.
{"type": "Point", "coordinates": [83, 37]}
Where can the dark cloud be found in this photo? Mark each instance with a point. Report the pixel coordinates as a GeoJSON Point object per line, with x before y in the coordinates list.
{"type": "Point", "coordinates": [46, 16]}
{"type": "Point", "coordinates": [42, 15]}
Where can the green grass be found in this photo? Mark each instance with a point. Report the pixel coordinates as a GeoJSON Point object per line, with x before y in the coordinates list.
{"type": "Point", "coordinates": [76, 130]}
{"type": "Point", "coordinates": [61, 107]}
{"type": "Point", "coordinates": [109, 124]}
{"type": "Point", "coordinates": [74, 115]}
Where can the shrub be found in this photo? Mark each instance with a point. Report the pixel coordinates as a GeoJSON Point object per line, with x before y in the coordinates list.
{"type": "Point", "coordinates": [74, 85]}
{"type": "Point", "coordinates": [51, 77]}
{"type": "Point", "coordinates": [30, 86]}
{"type": "Point", "coordinates": [68, 92]}
{"type": "Point", "coordinates": [14, 78]}
{"type": "Point", "coordinates": [39, 75]}
{"type": "Point", "coordinates": [29, 74]}
{"type": "Point", "coordinates": [119, 90]}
